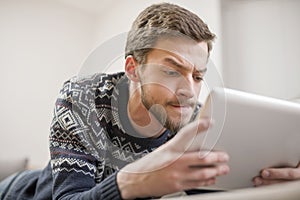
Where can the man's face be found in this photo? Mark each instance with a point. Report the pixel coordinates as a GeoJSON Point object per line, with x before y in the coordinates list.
{"type": "Point", "coordinates": [171, 80]}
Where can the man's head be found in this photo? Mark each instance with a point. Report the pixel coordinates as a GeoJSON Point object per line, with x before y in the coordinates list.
{"type": "Point", "coordinates": [166, 55]}
{"type": "Point", "coordinates": [164, 20]}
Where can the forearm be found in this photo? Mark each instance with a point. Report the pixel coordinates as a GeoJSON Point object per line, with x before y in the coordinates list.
{"type": "Point", "coordinates": [72, 189]}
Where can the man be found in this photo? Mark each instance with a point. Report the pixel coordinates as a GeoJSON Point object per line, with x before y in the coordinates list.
{"type": "Point", "coordinates": [129, 135]}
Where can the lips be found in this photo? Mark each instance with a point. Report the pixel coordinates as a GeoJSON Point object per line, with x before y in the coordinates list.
{"type": "Point", "coordinates": [182, 104]}
{"type": "Point", "coordinates": [181, 108]}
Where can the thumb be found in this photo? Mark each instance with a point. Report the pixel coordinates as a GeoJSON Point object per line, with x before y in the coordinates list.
{"type": "Point", "coordinates": [189, 138]}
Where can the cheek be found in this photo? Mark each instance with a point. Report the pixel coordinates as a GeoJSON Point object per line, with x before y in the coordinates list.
{"type": "Point", "coordinates": [159, 91]}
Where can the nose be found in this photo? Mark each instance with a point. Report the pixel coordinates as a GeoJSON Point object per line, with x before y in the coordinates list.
{"type": "Point", "coordinates": [185, 88]}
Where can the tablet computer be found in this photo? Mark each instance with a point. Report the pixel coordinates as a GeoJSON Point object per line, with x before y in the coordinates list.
{"type": "Point", "coordinates": [256, 131]}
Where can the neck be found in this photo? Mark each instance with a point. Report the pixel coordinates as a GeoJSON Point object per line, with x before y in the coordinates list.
{"type": "Point", "coordinates": [143, 121]}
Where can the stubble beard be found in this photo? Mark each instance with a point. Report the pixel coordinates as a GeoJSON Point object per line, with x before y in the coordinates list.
{"type": "Point", "coordinates": [162, 115]}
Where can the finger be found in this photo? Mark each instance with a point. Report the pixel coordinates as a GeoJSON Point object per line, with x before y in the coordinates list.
{"type": "Point", "coordinates": [195, 184]}
{"type": "Point", "coordinates": [259, 181]}
{"type": "Point", "coordinates": [281, 173]}
{"type": "Point", "coordinates": [213, 156]}
{"type": "Point", "coordinates": [204, 173]}
{"type": "Point", "coordinates": [196, 159]}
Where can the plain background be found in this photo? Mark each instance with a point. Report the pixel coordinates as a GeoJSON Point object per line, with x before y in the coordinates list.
{"type": "Point", "coordinates": [43, 43]}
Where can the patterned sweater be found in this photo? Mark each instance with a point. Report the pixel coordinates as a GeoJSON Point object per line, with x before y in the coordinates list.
{"type": "Point", "coordinates": [91, 139]}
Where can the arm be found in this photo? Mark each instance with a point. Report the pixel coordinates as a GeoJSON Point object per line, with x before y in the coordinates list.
{"type": "Point", "coordinates": [74, 167]}
{"type": "Point", "coordinates": [173, 167]}
{"type": "Point", "coordinates": [277, 175]}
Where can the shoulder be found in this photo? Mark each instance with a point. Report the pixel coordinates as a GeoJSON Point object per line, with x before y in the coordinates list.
{"type": "Point", "coordinates": [77, 87]}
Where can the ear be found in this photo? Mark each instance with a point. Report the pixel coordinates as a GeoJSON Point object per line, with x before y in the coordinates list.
{"type": "Point", "coordinates": [131, 69]}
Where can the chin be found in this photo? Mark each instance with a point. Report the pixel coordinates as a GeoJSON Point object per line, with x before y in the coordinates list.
{"type": "Point", "coordinates": [176, 124]}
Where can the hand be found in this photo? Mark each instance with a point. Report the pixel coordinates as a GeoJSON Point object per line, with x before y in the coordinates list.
{"type": "Point", "coordinates": [277, 175]}
{"type": "Point", "coordinates": [171, 168]}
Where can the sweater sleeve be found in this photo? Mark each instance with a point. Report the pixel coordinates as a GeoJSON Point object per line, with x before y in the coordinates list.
{"type": "Point", "coordinates": [74, 167]}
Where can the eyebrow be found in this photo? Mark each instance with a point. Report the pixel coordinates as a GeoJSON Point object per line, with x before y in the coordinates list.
{"type": "Point", "coordinates": [173, 62]}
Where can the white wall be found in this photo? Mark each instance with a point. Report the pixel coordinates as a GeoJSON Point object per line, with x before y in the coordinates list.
{"type": "Point", "coordinates": [261, 46]}
{"type": "Point", "coordinates": [42, 43]}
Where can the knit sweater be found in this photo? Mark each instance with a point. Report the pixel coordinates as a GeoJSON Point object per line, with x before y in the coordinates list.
{"type": "Point", "coordinates": [91, 139]}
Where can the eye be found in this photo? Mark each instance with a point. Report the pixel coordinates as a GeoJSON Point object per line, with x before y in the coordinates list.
{"type": "Point", "coordinates": [171, 73]}
{"type": "Point", "coordinates": [198, 78]}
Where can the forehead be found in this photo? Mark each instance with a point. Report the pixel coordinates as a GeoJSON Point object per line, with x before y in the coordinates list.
{"type": "Point", "coordinates": [195, 53]}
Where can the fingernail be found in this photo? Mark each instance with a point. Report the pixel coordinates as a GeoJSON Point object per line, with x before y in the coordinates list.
{"type": "Point", "coordinates": [265, 173]}
{"type": "Point", "coordinates": [224, 169]}
{"type": "Point", "coordinates": [224, 158]}
{"type": "Point", "coordinates": [257, 182]}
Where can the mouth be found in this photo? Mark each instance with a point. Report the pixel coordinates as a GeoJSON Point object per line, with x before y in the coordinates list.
{"type": "Point", "coordinates": [182, 108]}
